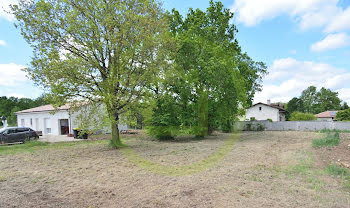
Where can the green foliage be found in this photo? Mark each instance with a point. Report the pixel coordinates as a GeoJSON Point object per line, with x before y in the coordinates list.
{"type": "Point", "coordinates": [326, 100]}
{"type": "Point", "coordinates": [334, 130]}
{"type": "Point", "coordinates": [33, 146]}
{"type": "Point", "coordinates": [100, 51]}
{"type": "Point", "coordinates": [8, 106]}
{"type": "Point", "coordinates": [260, 127]}
{"type": "Point", "coordinates": [343, 115]}
{"type": "Point", "coordinates": [344, 106]}
{"type": "Point", "coordinates": [212, 79]}
{"type": "Point", "coordinates": [313, 101]}
{"type": "Point", "coordinates": [269, 119]}
{"type": "Point", "coordinates": [297, 116]}
{"type": "Point", "coordinates": [294, 105]}
{"type": "Point", "coordinates": [332, 139]}
{"type": "Point", "coordinates": [165, 120]}
{"type": "Point", "coordinates": [309, 98]}
{"type": "Point", "coordinates": [257, 127]}
{"type": "Point", "coordinates": [252, 119]}
{"type": "Point", "coordinates": [249, 127]}
{"type": "Point", "coordinates": [336, 170]}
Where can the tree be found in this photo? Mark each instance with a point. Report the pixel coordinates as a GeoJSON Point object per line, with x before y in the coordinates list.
{"type": "Point", "coordinates": [8, 106]}
{"type": "Point", "coordinates": [344, 106]}
{"type": "Point", "coordinates": [343, 115]}
{"type": "Point", "coordinates": [308, 97]}
{"type": "Point", "coordinates": [97, 51]}
{"type": "Point", "coordinates": [295, 104]}
{"type": "Point", "coordinates": [326, 100]}
{"type": "Point", "coordinates": [313, 101]}
{"type": "Point", "coordinates": [297, 116]}
{"type": "Point", "coordinates": [213, 80]}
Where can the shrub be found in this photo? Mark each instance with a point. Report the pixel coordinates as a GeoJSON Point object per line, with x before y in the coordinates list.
{"type": "Point", "coordinates": [260, 127]}
{"type": "Point", "coordinates": [252, 119]}
{"type": "Point", "coordinates": [164, 122]}
{"type": "Point", "coordinates": [343, 115]}
{"type": "Point", "coordinates": [269, 119]}
{"type": "Point", "coordinates": [332, 139]}
{"type": "Point", "coordinates": [297, 116]}
{"type": "Point", "coordinates": [249, 127]}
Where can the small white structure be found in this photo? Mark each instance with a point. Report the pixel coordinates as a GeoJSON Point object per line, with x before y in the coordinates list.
{"type": "Point", "coordinates": [262, 111]}
{"type": "Point", "coordinates": [51, 121]}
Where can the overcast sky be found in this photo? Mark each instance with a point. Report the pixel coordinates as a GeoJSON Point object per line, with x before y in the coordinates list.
{"type": "Point", "coordinates": [303, 43]}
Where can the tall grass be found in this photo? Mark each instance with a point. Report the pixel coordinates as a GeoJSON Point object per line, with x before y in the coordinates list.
{"type": "Point", "coordinates": [332, 139]}
{"type": "Point", "coordinates": [333, 130]}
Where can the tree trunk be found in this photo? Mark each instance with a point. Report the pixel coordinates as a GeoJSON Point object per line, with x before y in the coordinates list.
{"type": "Point", "coordinates": [115, 131]}
{"type": "Point", "coordinates": [203, 114]}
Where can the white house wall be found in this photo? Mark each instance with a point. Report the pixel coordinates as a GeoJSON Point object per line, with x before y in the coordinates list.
{"type": "Point", "coordinates": [265, 113]}
{"type": "Point", "coordinates": [54, 120]}
{"type": "Point", "coordinates": [72, 117]}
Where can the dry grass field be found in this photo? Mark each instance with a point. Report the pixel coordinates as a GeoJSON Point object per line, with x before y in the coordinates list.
{"type": "Point", "coordinates": [263, 169]}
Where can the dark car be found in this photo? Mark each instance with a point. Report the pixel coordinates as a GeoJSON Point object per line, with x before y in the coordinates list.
{"type": "Point", "coordinates": [17, 135]}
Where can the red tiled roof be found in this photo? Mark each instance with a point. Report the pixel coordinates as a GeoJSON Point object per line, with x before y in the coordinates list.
{"type": "Point", "coordinates": [272, 106]}
{"type": "Point", "coordinates": [326, 114]}
{"type": "Point", "coordinates": [44, 108]}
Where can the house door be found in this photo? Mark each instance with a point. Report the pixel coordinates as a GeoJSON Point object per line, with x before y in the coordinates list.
{"type": "Point", "coordinates": [64, 126]}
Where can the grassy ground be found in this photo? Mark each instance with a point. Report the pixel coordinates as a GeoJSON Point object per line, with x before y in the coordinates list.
{"type": "Point", "coordinates": [262, 169]}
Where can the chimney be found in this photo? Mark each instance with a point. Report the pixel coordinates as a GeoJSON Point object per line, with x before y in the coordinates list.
{"type": "Point", "coordinates": [269, 102]}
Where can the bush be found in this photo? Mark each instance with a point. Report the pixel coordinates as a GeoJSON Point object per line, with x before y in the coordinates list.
{"type": "Point", "coordinates": [260, 127]}
{"type": "Point", "coordinates": [332, 139]}
{"type": "Point", "coordinates": [343, 115]}
{"type": "Point", "coordinates": [269, 119]}
{"type": "Point", "coordinates": [162, 132]}
{"type": "Point", "coordinates": [164, 124]}
{"type": "Point", "coordinates": [249, 127]}
{"type": "Point", "coordinates": [297, 116]}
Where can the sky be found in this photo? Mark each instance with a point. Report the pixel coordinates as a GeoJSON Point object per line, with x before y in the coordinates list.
{"type": "Point", "coordinates": [302, 42]}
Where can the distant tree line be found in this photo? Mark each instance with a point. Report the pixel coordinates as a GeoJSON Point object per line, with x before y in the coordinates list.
{"type": "Point", "coordinates": [10, 105]}
{"type": "Point", "coordinates": [312, 101]}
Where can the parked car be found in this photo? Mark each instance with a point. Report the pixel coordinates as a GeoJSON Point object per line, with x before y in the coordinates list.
{"type": "Point", "coordinates": [17, 135]}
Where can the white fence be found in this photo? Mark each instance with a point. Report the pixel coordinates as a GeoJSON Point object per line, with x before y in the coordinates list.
{"type": "Point", "coordinates": [294, 125]}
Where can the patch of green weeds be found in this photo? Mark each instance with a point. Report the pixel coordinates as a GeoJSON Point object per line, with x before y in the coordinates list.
{"type": "Point", "coordinates": [305, 170]}
{"type": "Point", "coordinates": [336, 170]}
{"type": "Point", "coordinates": [332, 139]}
{"type": "Point", "coordinates": [333, 130]}
{"type": "Point", "coordinates": [340, 172]}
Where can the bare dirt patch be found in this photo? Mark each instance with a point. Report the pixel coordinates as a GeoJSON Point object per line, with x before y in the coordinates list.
{"type": "Point", "coordinates": [264, 169]}
{"type": "Point", "coordinates": [339, 154]}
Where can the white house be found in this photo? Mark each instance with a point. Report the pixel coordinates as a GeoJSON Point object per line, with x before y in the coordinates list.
{"type": "Point", "coordinates": [52, 121]}
{"type": "Point", "coordinates": [262, 111]}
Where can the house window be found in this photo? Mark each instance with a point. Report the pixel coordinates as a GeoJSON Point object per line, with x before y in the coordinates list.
{"type": "Point", "coordinates": [259, 108]}
{"type": "Point", "coordinates": [31, 122]}
{"type": "Point", "coordinates": [47, 124]}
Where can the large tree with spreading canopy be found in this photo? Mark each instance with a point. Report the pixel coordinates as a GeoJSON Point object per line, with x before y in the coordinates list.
{"type": "Point", "coordinates": [97, 51]}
